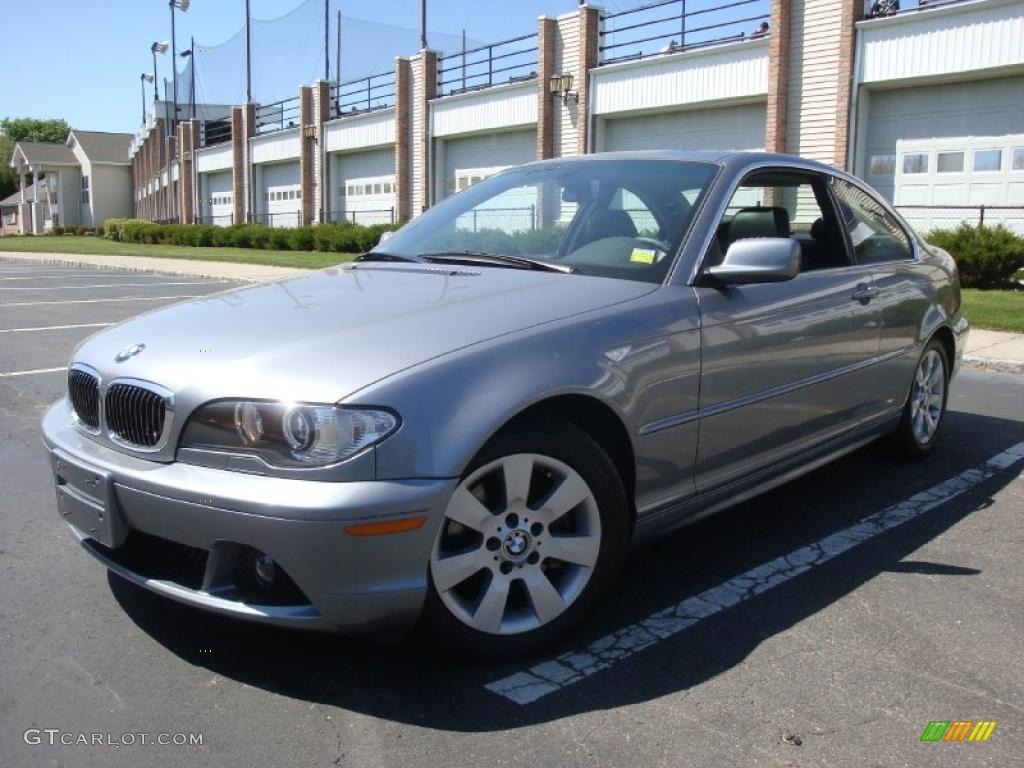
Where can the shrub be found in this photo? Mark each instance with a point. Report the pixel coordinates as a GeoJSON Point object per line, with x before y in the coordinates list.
{"type": "Point", "coordinates": [987, 257]}
{"type": "Point", "coordinates": [302, 239]}
{"type": "Point", "coordinates": [280, 240]}
{"type": "Point", "coordinates": [57, 231]}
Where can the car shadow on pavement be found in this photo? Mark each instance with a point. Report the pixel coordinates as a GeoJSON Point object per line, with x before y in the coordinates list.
{"type": "Point", "coordinates": [409, 682]}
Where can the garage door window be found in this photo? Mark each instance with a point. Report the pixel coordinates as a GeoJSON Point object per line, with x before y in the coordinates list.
{"type": "Point", "coordinates": [1018, 159]}
{"type": "Point", "coordinates": [883, 164]}
{"type": "Point", "coordinates": [951, 162]}
{"type": "Point", "coordinates": [875, 234]}
{"type": "Point", "coordinates": [987, 160]}
{"type": "Point", "coordinates": [916, 162]}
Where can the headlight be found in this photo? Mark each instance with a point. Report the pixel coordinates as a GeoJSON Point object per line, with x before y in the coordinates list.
{"type": "Point", "coordinates": [287, 434]}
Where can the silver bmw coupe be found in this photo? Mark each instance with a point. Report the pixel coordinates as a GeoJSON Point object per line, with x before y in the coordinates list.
{"type": "Point", "coordinates": [470, 425]}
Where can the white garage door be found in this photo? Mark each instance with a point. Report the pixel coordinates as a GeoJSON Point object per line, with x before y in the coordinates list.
{"type": "Point", "coordinates": [740, 127]}
{"type": "Point", "coordinates": [474, 158]}
{"type": "Point", "coordinates": [364, 186]}
{"type": "Point", "coordinates": [282, 195]}
{"type": "Point", "coordinates": [988, 108]}
{"type": "Point", "coordinates": [217, 197]}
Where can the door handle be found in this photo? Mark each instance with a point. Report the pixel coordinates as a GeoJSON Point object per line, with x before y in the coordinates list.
{"type": "Point", "coordinates": [865, 293]}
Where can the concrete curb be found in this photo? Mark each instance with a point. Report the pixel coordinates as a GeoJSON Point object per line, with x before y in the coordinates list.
{"type": "Point", "coordinates": [993, 364]}
{"type": "Point", "coordinates": [227, 271]}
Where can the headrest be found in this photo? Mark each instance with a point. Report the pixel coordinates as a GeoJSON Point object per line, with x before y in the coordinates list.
{"type": "Point", "coordinates": [759, 222]}
{"type": "Point", "coordinates": [611, 223]}
{"type": "Point", "coordinates": [819, 231]}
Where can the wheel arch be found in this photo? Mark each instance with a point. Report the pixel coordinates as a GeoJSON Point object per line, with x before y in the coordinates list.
{"type": "Point", "coordinates": [597, 419]}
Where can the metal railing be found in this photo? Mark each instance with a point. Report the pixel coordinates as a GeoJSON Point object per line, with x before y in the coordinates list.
{"type": "Point", "coordinates": [223, 220]}
{"type": "Point", "coordinates": [670, 26]}
{"type": "Point", "coordinates": [279, 219]}
{"type": "Point", "coordinates": [212, 132]}
{"type": "Point", "coordinates": [366, 94]}
{"type": "Point", "coordinates": [924, 218]}
{"type": "Point", "coordinates": [506, 61]}
{"type": "Point", "coordinates": [278, 115]}
{"type": "Point", "coordinates": [363, 218]}
{"type": "Point", "coordinates": [524, 218]}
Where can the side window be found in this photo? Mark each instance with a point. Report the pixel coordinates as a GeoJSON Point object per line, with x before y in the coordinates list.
{"type": "Point", "coordinates": [876, 236]}
{"type": "Point", "coordinates": [785, 204]}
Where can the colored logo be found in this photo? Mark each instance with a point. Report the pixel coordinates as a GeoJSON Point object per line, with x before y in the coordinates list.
{"type": "Point", "coordinates": [129, 352]}
{"type": "Point", "coordinates": [958, 730]}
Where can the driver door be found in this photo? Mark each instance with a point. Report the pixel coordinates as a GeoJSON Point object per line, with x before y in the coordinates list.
{"type": "Point", "coordinates": [785, 366]}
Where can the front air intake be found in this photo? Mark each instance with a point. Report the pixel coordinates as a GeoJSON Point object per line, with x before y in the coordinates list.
{"type": "Point", "coordinates": [84, 393]}
{"type": "Point", "coordinates": [135, 415]}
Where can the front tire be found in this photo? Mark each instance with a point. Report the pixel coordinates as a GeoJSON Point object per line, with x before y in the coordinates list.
{"type": "Point", "coordinates": [925, 410]}
{"type": "Point", "coordinates": [532, 536]}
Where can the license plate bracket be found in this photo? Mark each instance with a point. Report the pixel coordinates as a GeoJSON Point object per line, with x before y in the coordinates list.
{"type": "Point", "coordinates": [86, 500]}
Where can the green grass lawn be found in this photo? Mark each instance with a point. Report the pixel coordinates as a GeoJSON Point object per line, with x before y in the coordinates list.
{"type": "Point", "coordinates": [996, 310]}
{"type": "Point", "coordinates": [98, 246]}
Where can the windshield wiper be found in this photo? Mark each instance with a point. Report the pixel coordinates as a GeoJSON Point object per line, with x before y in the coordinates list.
{"type": "Point", "coordinates": [498, 259]}
{"type": "Point", "coordinates": [382, 256]}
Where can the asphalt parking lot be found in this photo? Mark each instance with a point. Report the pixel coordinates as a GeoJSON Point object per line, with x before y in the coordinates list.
{"type": "Point", "coordinates": [823, 624]}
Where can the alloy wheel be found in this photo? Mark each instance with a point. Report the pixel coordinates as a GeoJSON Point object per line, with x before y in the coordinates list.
{"type": "Point", "coordinates": [928, 397]}
{"type": "Point", "coordinates": [520, 539]}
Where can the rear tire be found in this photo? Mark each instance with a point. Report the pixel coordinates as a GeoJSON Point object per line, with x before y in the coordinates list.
{"type": "Point", "coordinates": [925, 410]}
{"type": "Point", "coordinates": [536, 530]}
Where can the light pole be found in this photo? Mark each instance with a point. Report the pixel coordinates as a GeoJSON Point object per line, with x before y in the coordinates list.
{"type": "Point", "coordinates": [156, 48]}
{"type": "Point", "coordinates": [190, 55]}
{"type": "Point", "coordinates": [145, 77]}
{"type": "Point", "coordinates": [181, 5]}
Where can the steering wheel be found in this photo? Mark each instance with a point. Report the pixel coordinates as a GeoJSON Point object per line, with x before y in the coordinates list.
{"type": "Point", "coordinates": [659, 245]}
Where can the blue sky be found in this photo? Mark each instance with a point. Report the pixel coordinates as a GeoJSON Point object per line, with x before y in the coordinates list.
{"type": "Point", "coordinates": [82, 60]}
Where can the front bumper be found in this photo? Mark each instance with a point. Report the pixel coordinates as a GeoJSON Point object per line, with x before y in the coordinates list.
{"type": "Point", "coordinates": [365, 585]}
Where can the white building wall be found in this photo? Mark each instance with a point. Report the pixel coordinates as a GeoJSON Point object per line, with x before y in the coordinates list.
{"type": "Point", "coordinates": [371, 130]}
{"type": "Point", "coordinates": [497, 108]}
{"type": "Point", "coordinates": [730, 72]}
{"type": "Point", "coordinates": [211, 159]}
{"type": "Point", "coordinates": [275, 147]}
{"type": "Point", "coordinates": [942, 42]}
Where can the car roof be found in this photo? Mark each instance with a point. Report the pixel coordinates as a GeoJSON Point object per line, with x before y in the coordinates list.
{"type": "Point", "coordinates": [723, 157]}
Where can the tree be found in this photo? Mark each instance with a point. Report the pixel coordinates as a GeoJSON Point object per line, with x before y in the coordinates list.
{"type": "Point", "coordinates": [24, 129]}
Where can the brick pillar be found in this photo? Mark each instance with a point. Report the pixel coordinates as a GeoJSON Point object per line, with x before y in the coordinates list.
{"type": "Point", "coordinates": [403, 139]}
{"type": "Point", "coordinates": [423, 88]}
{"type": "Point", "coordinates": [245, 204]}
{"type": "Point", "coordinates": [173, 206]}
{"type": "Point", "coordinates": [853, 10]}
{"type": "Point", "coordinates": [590, 41]}
{"type": "Point", "coordinates": [778, 77]}
{"type": "Point", "coordinates": [188, 141]}
{"type": "Point", "coordinates": [546, 33]}
{"type": "Point", "coordinates": [307, 134]}
{"type": "Point", "coordinates": [321, 173]}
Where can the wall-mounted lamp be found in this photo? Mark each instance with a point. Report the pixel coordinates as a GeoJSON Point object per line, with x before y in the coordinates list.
{"type": "Point", "coordinates": [310, 132]}
{"type": "Point", "coordinates": [561, 85]}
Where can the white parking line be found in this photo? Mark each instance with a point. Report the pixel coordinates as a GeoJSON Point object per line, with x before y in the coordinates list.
{"type": "Point", "coordinates": [100, 301]}
{"type": "Point", "coordinates": [86, 287]}
{"type": "Point", "coordinates": [54, 327]}
{"type": "Point", "coordinates": [558, 673]}
{"type": "Point", "coordinates": [32, 373]}
{"type": "Point", "coordinates": [67, 275]}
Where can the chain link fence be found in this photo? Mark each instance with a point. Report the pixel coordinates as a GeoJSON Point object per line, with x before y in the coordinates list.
{"type": "Point", "coordinates": [925, 218]}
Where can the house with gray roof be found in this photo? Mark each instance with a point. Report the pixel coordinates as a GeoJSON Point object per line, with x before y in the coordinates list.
{"type": "Point", "coordinates": [83, 181]}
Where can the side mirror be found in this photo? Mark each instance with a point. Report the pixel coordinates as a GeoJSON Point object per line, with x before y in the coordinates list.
{"type": "Point", "coordinates": [759, 260]}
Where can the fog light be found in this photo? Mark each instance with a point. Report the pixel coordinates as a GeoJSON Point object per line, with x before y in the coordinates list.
{"type": "Point", "coordinates": [266, 571]}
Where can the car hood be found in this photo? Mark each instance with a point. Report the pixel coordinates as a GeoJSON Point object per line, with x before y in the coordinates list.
{"type": "Point", "coordinates": [322, 336]}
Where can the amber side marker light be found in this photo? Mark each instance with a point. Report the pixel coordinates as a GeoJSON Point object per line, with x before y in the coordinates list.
{"type": "Point", "coordinates": [387, 526]}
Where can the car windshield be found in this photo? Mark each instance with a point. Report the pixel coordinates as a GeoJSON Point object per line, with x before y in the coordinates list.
{"type": "Point", "coordinates": [610, 218]}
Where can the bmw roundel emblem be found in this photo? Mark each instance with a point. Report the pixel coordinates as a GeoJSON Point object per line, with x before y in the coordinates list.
{"type": "Point", "coordinates": [129, 352]}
